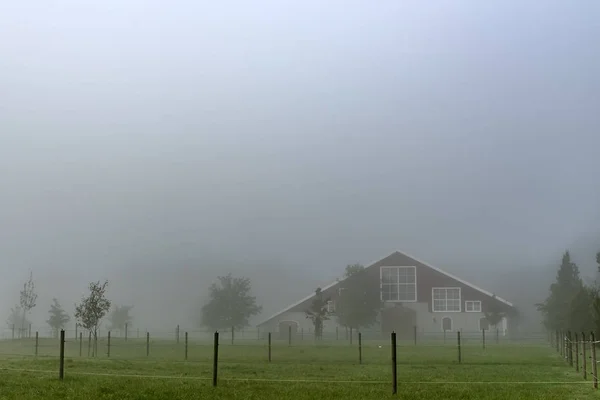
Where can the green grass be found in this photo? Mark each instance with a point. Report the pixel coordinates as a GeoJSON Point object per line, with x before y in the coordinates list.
{"type": "Point", "coordinates": [302, 371]}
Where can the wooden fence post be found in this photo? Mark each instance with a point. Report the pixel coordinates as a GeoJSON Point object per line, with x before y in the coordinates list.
{"type": "Point", "coordinates": [232, 334]}
{"type": "Point", "coordinates": [557, 341]}
{"type": "Point", "coordinates": [394, 365]}
{"type": "Point", "coordinates": [108, 345]}
{"type": "Point", "coordinates": [186, 346]}
{"type": "Point", "coordinates": [126, 327]}
{"type": "Point", "coordinates": [583, 356]}
{"type": "Point", "coordinates": [483, 337]}
{"type": "Point", "coordinates": [576, 353]}
{"type": "Point", "coordinates": [36, 343]}
{"type": "Point", "coordinates": [337, 333]}
{"type": "Point", "coordinates": [61, 367]}
{"type": "Point", "coordinates": [269, 340]}
{"type": "Point", "coordinates": [177, 334]}
{"type": "Point", "coordinates": [289, 335]}
{"type": "Point", "coordinates": [215, 358]}
{"type": "Point", "coordinates": [359, 348]}
{"type": "Point", "coordinates": [497, 336]}
{"type": "Point", "coordinates": [80, 343]}
{"type": "Point", "coordinates": [459, 353]}
{"type": "Point", "coordinates": [147, 344]}
{"type": "Point", "coordinates": [570, 348]}
{"type": "Point", "coordinates": [594, 363]}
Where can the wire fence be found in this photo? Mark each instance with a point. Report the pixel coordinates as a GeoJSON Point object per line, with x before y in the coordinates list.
{"type": "Point", "coordinates": [286, 356]}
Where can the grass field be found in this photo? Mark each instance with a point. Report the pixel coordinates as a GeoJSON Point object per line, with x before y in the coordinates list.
{"type": "Point", "coordinates": [301, 371]}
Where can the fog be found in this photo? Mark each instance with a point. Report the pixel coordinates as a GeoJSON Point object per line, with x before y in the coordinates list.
{"type": "Point", "coordinates": [160, 144]}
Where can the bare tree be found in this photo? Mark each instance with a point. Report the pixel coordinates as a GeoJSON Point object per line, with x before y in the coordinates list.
{"type": "Point", "coordinates": [92, 309]}
{"type": "Point", "coordinates": [28, 299]}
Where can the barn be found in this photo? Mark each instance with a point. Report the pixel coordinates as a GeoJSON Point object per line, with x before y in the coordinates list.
{"type": "Point", "coordinates": [414, 294]}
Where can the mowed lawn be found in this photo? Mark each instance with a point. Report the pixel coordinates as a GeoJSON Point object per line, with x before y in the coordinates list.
{"type": "Point", "coordinates": [301, 371]}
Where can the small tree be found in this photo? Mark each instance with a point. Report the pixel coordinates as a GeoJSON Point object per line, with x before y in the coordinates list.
{"type": "Point", "coordinates": [119, 317]}
{"type": "Point", "coordinates": [231, 304]}
{"type": "Point", "coordinates": [58, 317]}
{"type": "Point", "coordinates": [318, 312]}
{"type": "Point", "coordinates": [27, 301]}
{"type": "Point", "coordinates": [494, 313]}
{"type": "Point", "coordinates": [93, 308]}
{"type": "Point", "coordinates": [15, 318]}
{"type": "Point", "coordinates": [359, 302]}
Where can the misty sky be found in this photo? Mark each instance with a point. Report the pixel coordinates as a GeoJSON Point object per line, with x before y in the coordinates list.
{"type": "Point", "coordinates": [148, 141]}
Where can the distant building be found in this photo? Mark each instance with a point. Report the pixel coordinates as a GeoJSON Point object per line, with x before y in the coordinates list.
{"type": "Point", "coordinates": [413, 293]}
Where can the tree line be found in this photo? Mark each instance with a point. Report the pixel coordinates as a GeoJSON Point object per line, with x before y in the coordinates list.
{"type": "Point", "coordinates": [572, 304]}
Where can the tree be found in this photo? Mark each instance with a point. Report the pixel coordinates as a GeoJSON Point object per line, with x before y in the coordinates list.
{"type": "Point", "coordinates": [231, 304]}
{"type": "Point", "coordinates": [28, 299]}
{"type": "Point", "coordinates": [58, 317]}
{"type": "Point", "coordinates": [359, 302]}
{"type": "Point", "coordinates": [494, 313]}
{"type": "Point", "coordinates": [93, 308]}
{"type": "Point", "coordinates": [15, 319]}
{"type": "Point", "coordinates": [318, 313]}
{"type": "Point", "coordinates": [556, 309]}
{"type": "Point", "coordinates": [120, 317]}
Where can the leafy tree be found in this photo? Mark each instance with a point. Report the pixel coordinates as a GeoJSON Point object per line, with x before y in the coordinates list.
{"type": "Point", "coordinates": [231, 304]}
{"type": "Point", "coordinates": [27, 300]}
{"type": "Point", "coordinates": [494, 313]}
{"type": "Point", "coordinates": [15, 319]}
{"type": "Point", "coordinates": [58, 317]}
{"type": "Point", "coordinates": [556, 309]}
{"type": "Point", "coordinates": [318, 313]}
{"type": "Point", "coordinates": [93, 308]}
{"type": "Point", "coordinates": [581, 317]}
{"type": "Point", "coordinates": [359, 302]}
{"type": "Point", "coordinates": [119, 317]}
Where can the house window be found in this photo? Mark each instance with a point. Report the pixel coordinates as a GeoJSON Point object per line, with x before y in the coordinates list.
{"type": "Point", "coordinates": [473, 306]}
{"type": "Point", "coordinates": [484, 324]}
{"type": "Point", "coordinates": [446, 299]}
{"type": "Point", "coordinates": [330, 306]}
{"type": "Point", "coordinates": [398, 283]}
{"type": "Point", "coordinates": [446, 324]}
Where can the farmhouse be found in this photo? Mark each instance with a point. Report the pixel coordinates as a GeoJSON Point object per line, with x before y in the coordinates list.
{"type": "Point", "coordinates": [413, 293]}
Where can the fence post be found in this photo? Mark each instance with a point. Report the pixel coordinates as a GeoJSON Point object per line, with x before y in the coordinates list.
{"type": "Point", "coordinates": [459, 353]}
{"type": "Point", "coordinates": [557, 341]}
{"type": "Point", "coordinates": [76, 335]}
{"type": "Point", "coordinates": [36, 343]}
{"type": "Point", "coordinates": [359, 348]}
{"type": "Point", "coordinates": [337, 333]}
{"type": "Point", "coordinates": [108, 345]}
{"type": "Point", "coordinates": [13, 331]}
{"type": "Point", "coordinates": [257, 333]}
{"type": "Point", "coordinates": [483, 337]}
{"type": "Point", "coordinates": [576, 353]}
{"type": "Point", "coordinates": [497, 336]}
{"type": "Point", "coordinates": [594, 363]}
{"type": "Point", "coordinates": [215, 358]}
{"type": "Point", "coordinates": [232, 333]}
{"type": "Point", "coordinates": [61, 367]}
{"type": "Point", "coordinates": [186, 346]}
{"type": "Point", "coordinates": [351, 334]}
{"type": "Point", "coordinates": [126, 326]}
{"type": "Point", "coordinates": [302, 334]}
{"type": "Point", "coordinates": [569, 338]}
{"type": "Point", "coordinates": [289, 335]}
{"type": "Point", "coordinates": [80, 343]}
{"type": "Point", "coordinates": [89, 343]}
{"type": "Point", "coordinates": [29, 336]}
{"type": "Point", "coordinates": [583, 357]}
{"type": "Point", "coordinates": [147, 344]}
{"type": "Point", "coordinates": [415, 334]}
{"type": "Point", "coordinates": [177, 333]}
{"type": "Point", "coordinates": [269, 339]}
{"type": "Point", "coordinates": [394, 365]}
{"type": "Point", "coordinates": [444, 336]}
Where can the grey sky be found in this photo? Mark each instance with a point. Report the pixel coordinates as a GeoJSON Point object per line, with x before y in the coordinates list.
{"type": "Point", "coordinates": [294, 136]}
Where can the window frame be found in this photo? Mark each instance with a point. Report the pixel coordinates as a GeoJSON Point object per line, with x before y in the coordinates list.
{"type": "Point", "coordinates": [433, 289]}
{"type": "Point", "coordinates": [330, 306]}
{"type": "Point", "coordinates": [381, 284]}
{"type": "Point", "coordinates": [472, 302]}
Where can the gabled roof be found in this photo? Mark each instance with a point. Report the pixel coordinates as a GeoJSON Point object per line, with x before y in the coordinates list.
{"type": "Point", "coordinates": [337, 281]}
